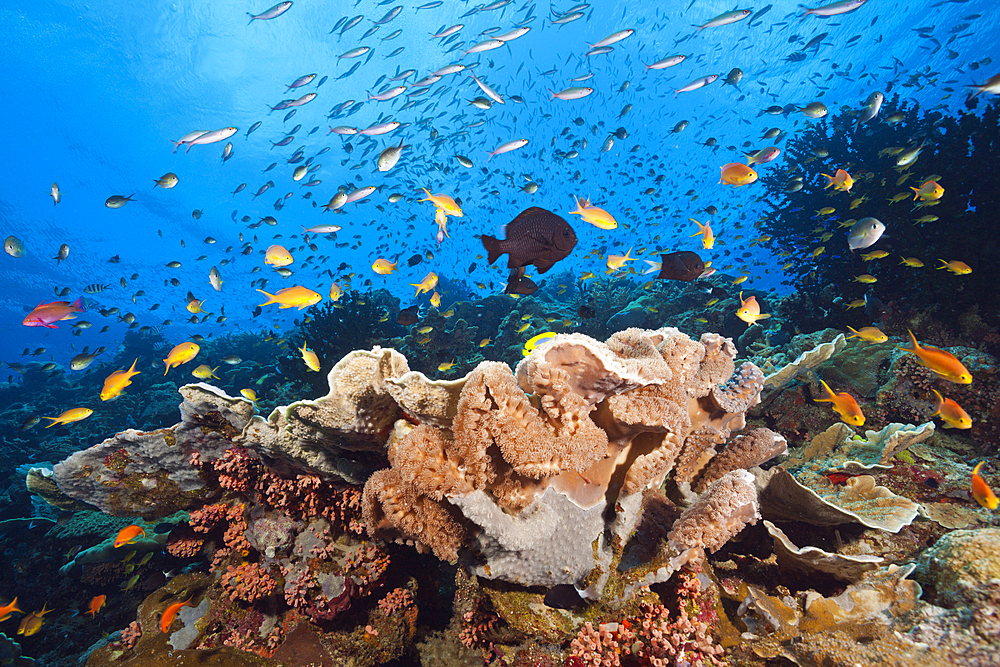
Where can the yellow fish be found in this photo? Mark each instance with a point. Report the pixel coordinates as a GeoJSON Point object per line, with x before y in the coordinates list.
{"type": "Point", "coordinates": [335, 292]}
{"type": "Point", "coordinates": [740, 280]}
{"type": "Point", "coordinates": [205, 372]}
{"type": "Point", "coordinates": [843, 404]}
{"type": "Point", "coordinates": [383, 266]}
{"type": "Point", "coordinates": [292, 297]}
{"type": "Point", "coordinates": [446, 366]}
{"type": "Point", "coordinates": [425, 329]}
{"type": "Point", "coordinates": [596, 216]}
{"type": "Point", "coordinates": [818, 251]}
{"type": "Point", "coordinates": [32, 623]}
{"type": "Point", "coordinates": [912, 261]}
{"type": "Point", "coordinates": [956, 267]}
{"type": "Point", "coordinates": [308, 356]}
{"type": "Point", "coordinates": [484, 342]}
{"type": "Point", "coordinates": [826, 210]}
{"type": "Point", "coordinates": [194, 306]}
{"type": "Point", "coordinates": [72, 415]}
{"type": "Point", "coordinates": [181, 354]}
{"type": "Point", "coordinates": [435, 299]}
{"type": "Point", "coordinates": [117, 381]}
{"type": "Point", "coordinates": [523, 327]}
{"type": "Point", "coordinates": [616, 262]}
{"type": "Point", "coordinates": [535, 340]}
{"type": "Point", "coordinates": [443, 203]}
{"type": "Point", "coordinates": [250, 395]}
{"type": "Point", "coordinates": [878, 254]}
{"type": "Point", "coordinates": [429, 282]}
{"type": "Point", "coordinates": [707, 237]}
{"type": "Point", "coordinates": [870, 334]}
{"type": "Point", "coordinates": [866, 279]}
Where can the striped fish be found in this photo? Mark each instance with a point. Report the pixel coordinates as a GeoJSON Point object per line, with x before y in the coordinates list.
{"type": "Point", "coordinates": [95, 288]}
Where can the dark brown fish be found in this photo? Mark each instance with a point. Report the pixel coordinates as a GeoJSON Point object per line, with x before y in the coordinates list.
{"type": "Point", "coordinates": [683, 265]}
{"type": "Point", "coordinates": [536, 236]}
{"type": "Point", "coordinates": [518, 284]}
{"type": "Point", "coordinates": [408, 316]}
{"type": "Point", "coordinates": [586, 312]}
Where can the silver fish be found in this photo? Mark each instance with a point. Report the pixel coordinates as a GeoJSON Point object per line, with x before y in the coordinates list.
{"type": "Point", "coordinates": [14, 247]}
{"type": "Point", "coordinates": [273, 12]}
{"type": "Point", "coordinates": [865, 232]}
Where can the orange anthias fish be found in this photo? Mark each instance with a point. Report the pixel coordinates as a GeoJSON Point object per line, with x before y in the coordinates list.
{"type": "Point", "coordinates": [117, 381]}
{"type": "Point", "coordinates": [277, 256]}
{"type": "Point", "coordinates": [929, 191]}
{"type": "Point", "coordinates": [72, 415]}
{"type": "Point", "coordinates": [842, 181]}
{"type": "Point", "coordinates": [951, 413]}
{"type": "Point", "coordinates": [981, 491]}
{"type": "Point", "coordinates": [843, 404]}
{"type": "Point", "coordinates": [941, 362]}
{"type": "Point", "coordinates": [615, 262]}
{"type": "Point", "coordinates": [128, 535]}
{"type": "Point", "coordinates": [335, 292]}
{"type": "Point", "coordinates": [8, 609]}
{"type": "Point", "coordinates": [292, 297]}
{"type": "Point", "coordinates": [32, 623]}
{"type": "Point", "coordinates": [443, 203]}
{"type": "Point", "coordinates": [383, 266]}
{"type": "Point", "coordinates": [429, 282]}
{"type": "Point", "coordinates": [749, 310]}
{"type": "Point", "coordinates": [96, 604]}
{"type": "Point", "coordinates": [170, 612]}
{"type": "Point", "coordinates": [737, 174]}
{"type": "Point", "coordinates": [707, 237]}
{"type": "Point", "coordinates": [181, 354]}
{"type": "Point", "coordinates": [595, 215]}
{"type": "Point", "coordinates": [45, 314]}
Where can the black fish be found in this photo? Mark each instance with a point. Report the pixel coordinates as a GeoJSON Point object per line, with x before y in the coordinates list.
{"type": "Point", "coordinates": [586, 312]}
{"type": "Point", "coordinates": [536, 236]}
{"type": "Point", "coordinates": [875, 308]}
{"type": "Point", "coordinates": [682, 265]}
{"type": "Point", "coordinates": [416, 259]}
{"type": "Point", "coordinates": [408, 316]}
{"type": "Point", "coordinates": [518, 284]}
{"type": "Point", "coordinates": [115, 260]}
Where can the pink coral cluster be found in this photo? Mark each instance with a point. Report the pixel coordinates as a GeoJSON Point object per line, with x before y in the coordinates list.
{"type": "Point", "coordinates": [653, 639]}
{"type": "Point", "coordinates": [367, 564]}
{"type": "Point", "coordinates": [130, 635]}
{"type": "Point", "coordinates": [184, 546]}
{"type": "Point", "coordinates": [396, 601]}
{"type": "Point", "coordinates": [237, 469]}
{"type": "Point", "coordinates": [248, 582]}
{"type": "Point", "coordinates": [307, 496]}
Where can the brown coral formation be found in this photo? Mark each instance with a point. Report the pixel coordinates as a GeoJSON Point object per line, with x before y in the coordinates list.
{"type": "Point", "coordinates": [541, 473]}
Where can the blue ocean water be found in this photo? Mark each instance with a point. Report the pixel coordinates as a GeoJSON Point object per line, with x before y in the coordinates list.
{"type": "Point", "coordinates": [99, 90]}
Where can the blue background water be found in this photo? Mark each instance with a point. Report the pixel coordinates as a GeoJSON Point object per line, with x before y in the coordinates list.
{"type": "Point", "coordinates": [96, 91]}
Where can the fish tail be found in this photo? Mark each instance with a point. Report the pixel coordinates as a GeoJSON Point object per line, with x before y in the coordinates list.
{"type": "Point", "coordinates": [855, 333]}
{"type": "Point", "coordinates": [79, 304]}
{"type": "Point", "coordinates": [133, 364]}
{"type": "Point", "coordinates": [828, 396]}
{"type": "Point", "coordinates": [270, 298]}
{"type": "Point", "coordinates": [492, 246]}
{"type": "Point", "coordinates": [55, 420]}
{"type": "Point", "coordinates": [251, 18]}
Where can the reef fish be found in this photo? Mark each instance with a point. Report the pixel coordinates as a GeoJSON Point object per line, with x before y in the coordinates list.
{"type": "Point", "coordinates": [981, 491]}
{"type": "Point", "coordinates": [181, 354]}
{"type": "Point", "coordinates": [170, 612]}
{"type": "Point", "coordinates": [71, 415]}
{"type": "Point", "coordinates": [843, 404]}
{"type": "Point", "coordinates": [292, 297]}
{"type": "Point", "coordinates": [682, 265]}
{"type": "Point", "coordinates": [44, 314]}
{"type": "Point", "coordinates": [944, 364]}
{"type": "Point", "coordinates": [535, 237]}
{"type": "Point", "coordinates": [749, 310]}
{"type": "Point", "coordinates": [117, 381]}
{"type": "Point", "coordinates": [865, 232]}
{"type": "Point", "coordinates": [951, 413]}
